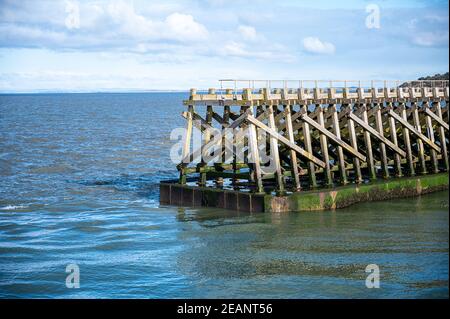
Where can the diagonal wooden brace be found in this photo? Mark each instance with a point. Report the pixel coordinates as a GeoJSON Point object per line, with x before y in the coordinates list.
{"type": "Point", "coordinates": [333, 137]}
{"type": "Point", "coordinates": [436, 118]}
{"type": "Point", "coordinates": [374, 133]}
{"type": "Point", "coordinates": [285, 141]}
{"type": "Point", "coordinates": [414, 131]}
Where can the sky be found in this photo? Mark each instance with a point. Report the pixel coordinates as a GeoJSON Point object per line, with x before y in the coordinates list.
{"type": "Point", "coordinates": [118, 45]}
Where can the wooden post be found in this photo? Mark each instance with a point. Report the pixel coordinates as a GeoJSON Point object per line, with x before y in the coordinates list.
{"type": "Point", "coordinates": [420, 149]}
{"type": "Point", "coordinates": [379, 125]}
{"type": "Point", "coordinates": [308, 147]}
{"type": "Point", "coordinates": [354, 144]}
{"type": "Point", "coordinates": [324, 147]}
{"type": "Point", "coordinates": [393, 131]}
{"type": "Point", "coordinates": [294, 163]}
{"type": "Point", "coordinates": [235, 146]}
{"type": "Point", "coordinates": [226, 118]}
{"type": "Point", "coordinates": [437, 107]}
{"type": "Point", "coordinates": [187, 140]}
{"type": "Point", "coordinates": [337, 132]}
{"type": "Point", "coordinates": [206, 139]}
{"type": "Point", "coordinates": [253, 146]}
{"type": "Point", "coordinates": [430, 134]}
{"type": "Point", "coordinates": [368, 142]}
{"type": "Point", "coordinates": [406, 139]}
{"type": "Point", "coordinates": [274, 152]}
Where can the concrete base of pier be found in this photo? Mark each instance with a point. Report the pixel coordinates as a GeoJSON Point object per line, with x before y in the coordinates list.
{"type": "Point", "coordinates": [175, 194]}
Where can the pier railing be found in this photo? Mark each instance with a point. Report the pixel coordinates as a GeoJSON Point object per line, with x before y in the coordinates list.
{"type": "Point", "coordinates": [318, 133]}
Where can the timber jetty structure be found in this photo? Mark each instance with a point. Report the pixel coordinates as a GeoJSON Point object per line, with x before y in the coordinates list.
{"type": "Point", "coordinates": [311, 145]}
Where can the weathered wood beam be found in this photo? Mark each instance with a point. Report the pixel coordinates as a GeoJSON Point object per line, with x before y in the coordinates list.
{"type": "Point", "coordinates": [420, 148]}
{"type": "Point", "coordinates": [333, 137]}
{"type": "Point", "coordinates": [293, 154]}
{"type": "Point", "coordinates": [353, 143]}
{"type": "Point", "coordinates": [403, 122]}
{"type": "Point", "coordinates": [374, 133]}
{"type": "Point", "coordinates": [430, 132]}
{"type": "Point", "coordinates": [437, 107]}
{"type": "Point", "coordinates": [436, 117]}
{"type": "Point", "coordinates": [379, 125]}
{"type": "Point", "coordinates": [393, 132]}
{"type": "Point", "coordinates": [282, 139]}
{"type": "Point", "coordinates": [274, 153]}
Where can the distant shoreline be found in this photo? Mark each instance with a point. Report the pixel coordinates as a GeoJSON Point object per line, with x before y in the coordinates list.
{"type": "Point", "coordinates": [89, 92]}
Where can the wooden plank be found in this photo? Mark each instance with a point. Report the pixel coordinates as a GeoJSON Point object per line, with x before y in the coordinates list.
{"type": "Point", "coordinates": [204, 126]}
{"type": "Point", "coordinates": [354, 144]}
{"type": "Point", "coordinates": [436, 117]}
{"type": "Point", "coordinates": [324, 146]}
{"type": "Point", "coordinates": [239, 99]}
{"type": "Point", "coordinates": [253, 146]}
{"type": "Point", "coordinates": [420, 148]}
{"type": "Point", "coordinates": [293, 154]}
{"type": "Point", "coordinates": [379, 125]}
{"type": "Point", "coordinates": [377, 135]}
{"type": "Point", "coordinates": [368, 142]}
{"type": "Point", "coordinates": [403, 122]}
{"type": "Point", "coordinates": [406, 138]}
{"type": "Point", "coordinates": [226, 118]}
{"type": "Point", "coordinates": [333, 137]}
{"type": "Point", "coordinates": [206, 139]}
{"type": "Point", "coordinates": [393, 132]}
{"type": "Point", "coordinates": [294, 118]}
{"type": "Point", "coordinates": [219, 119]}
{"type": "Point", "coordinates": [337, 132]}
{"type": "Point", "coordinates": [308, 147]}
{"type": "Point", "coordinates": [223, 153]}
{"type": "Point", "coordinates": [186, 143]}
{"type": "Point", "coordinates": [190, 156]}
{"type": "Point", "coordinates": [282, 139]}
{"type": "Point", "coordinates": [430, 132]}
{"type": "Point", "coordinates": [274, 153]}
{"type": "Point", "coordinates": [442, 137]}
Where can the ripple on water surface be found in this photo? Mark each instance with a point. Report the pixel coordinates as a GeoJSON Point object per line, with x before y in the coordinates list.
{"type": "Point", "coordinates": [80, 177]}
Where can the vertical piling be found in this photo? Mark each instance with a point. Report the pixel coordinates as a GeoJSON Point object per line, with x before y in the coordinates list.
{"type": "Point", "coordinates": [379, 126]}
{"type": "Point", "coordinates": [420, 148]}
{"type": "Point", "coordinates": [393, 132]}
{"type": "Point", "coordinates": [354, 144]}
{"type": "Point", "coordinates": [324, 148]}
{"type": "Point", "coordinates": [294, 164]}
{"type": "Point", "coordinates": [407, 140]}
{"type": "Point", "coordinates": [308, 147]}
{"type": "Point", "coordinates": [430, 133]}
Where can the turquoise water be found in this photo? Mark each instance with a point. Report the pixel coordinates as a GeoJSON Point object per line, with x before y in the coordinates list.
{"type": "Point", "coordinates": [79, 184]}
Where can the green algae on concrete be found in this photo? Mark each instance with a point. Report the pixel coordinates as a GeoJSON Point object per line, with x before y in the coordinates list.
{"type": "Point", "coordinates": [347, 195]}
{"type": "Point", "coordinates": [314, 200]}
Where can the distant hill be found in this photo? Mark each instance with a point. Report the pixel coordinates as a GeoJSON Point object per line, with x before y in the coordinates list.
{"type": "Point", "coordinates": [444, 76]}
{"type": "Point", "coordinates": [438, 76]}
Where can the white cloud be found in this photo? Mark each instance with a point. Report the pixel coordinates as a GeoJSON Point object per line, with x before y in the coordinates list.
{"type": "Point", "coordinates": [236, 49]}
{"type": "Point", "coordinates": [34, 36]}
{"type": "Point", "coordinates": [429, 39]}
{"type": "Point", "coordinates": [124, 16]}
{"type": "Point", "coordinates": [176, 26]}
{"type": "Point", "coordinates": [115, 24]}
{"type": "Point", "coordinates": [247, 32]}
{"type": "Point", "coordinates": [184, 27]}
{"type": "Point", "coordinates": [194, 40]}
{"type": "Point", "coordinates": [429, 31]}
{"type": "Point", "coordinates": [315, 45]}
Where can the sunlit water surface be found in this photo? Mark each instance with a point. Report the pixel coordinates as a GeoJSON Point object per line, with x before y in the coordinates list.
{"type": "Point", "coordinates": [79, 184]}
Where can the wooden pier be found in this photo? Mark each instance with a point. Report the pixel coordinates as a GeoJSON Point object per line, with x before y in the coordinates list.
{"type": "Point", "coordinates": [319, 135]}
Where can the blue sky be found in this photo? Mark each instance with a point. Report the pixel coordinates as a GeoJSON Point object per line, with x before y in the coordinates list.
{"type": "Point", "coordinates": [143, 45]}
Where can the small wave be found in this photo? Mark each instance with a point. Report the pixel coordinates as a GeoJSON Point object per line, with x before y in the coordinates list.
{"type": "Point", "coordinates": [13, 207]}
